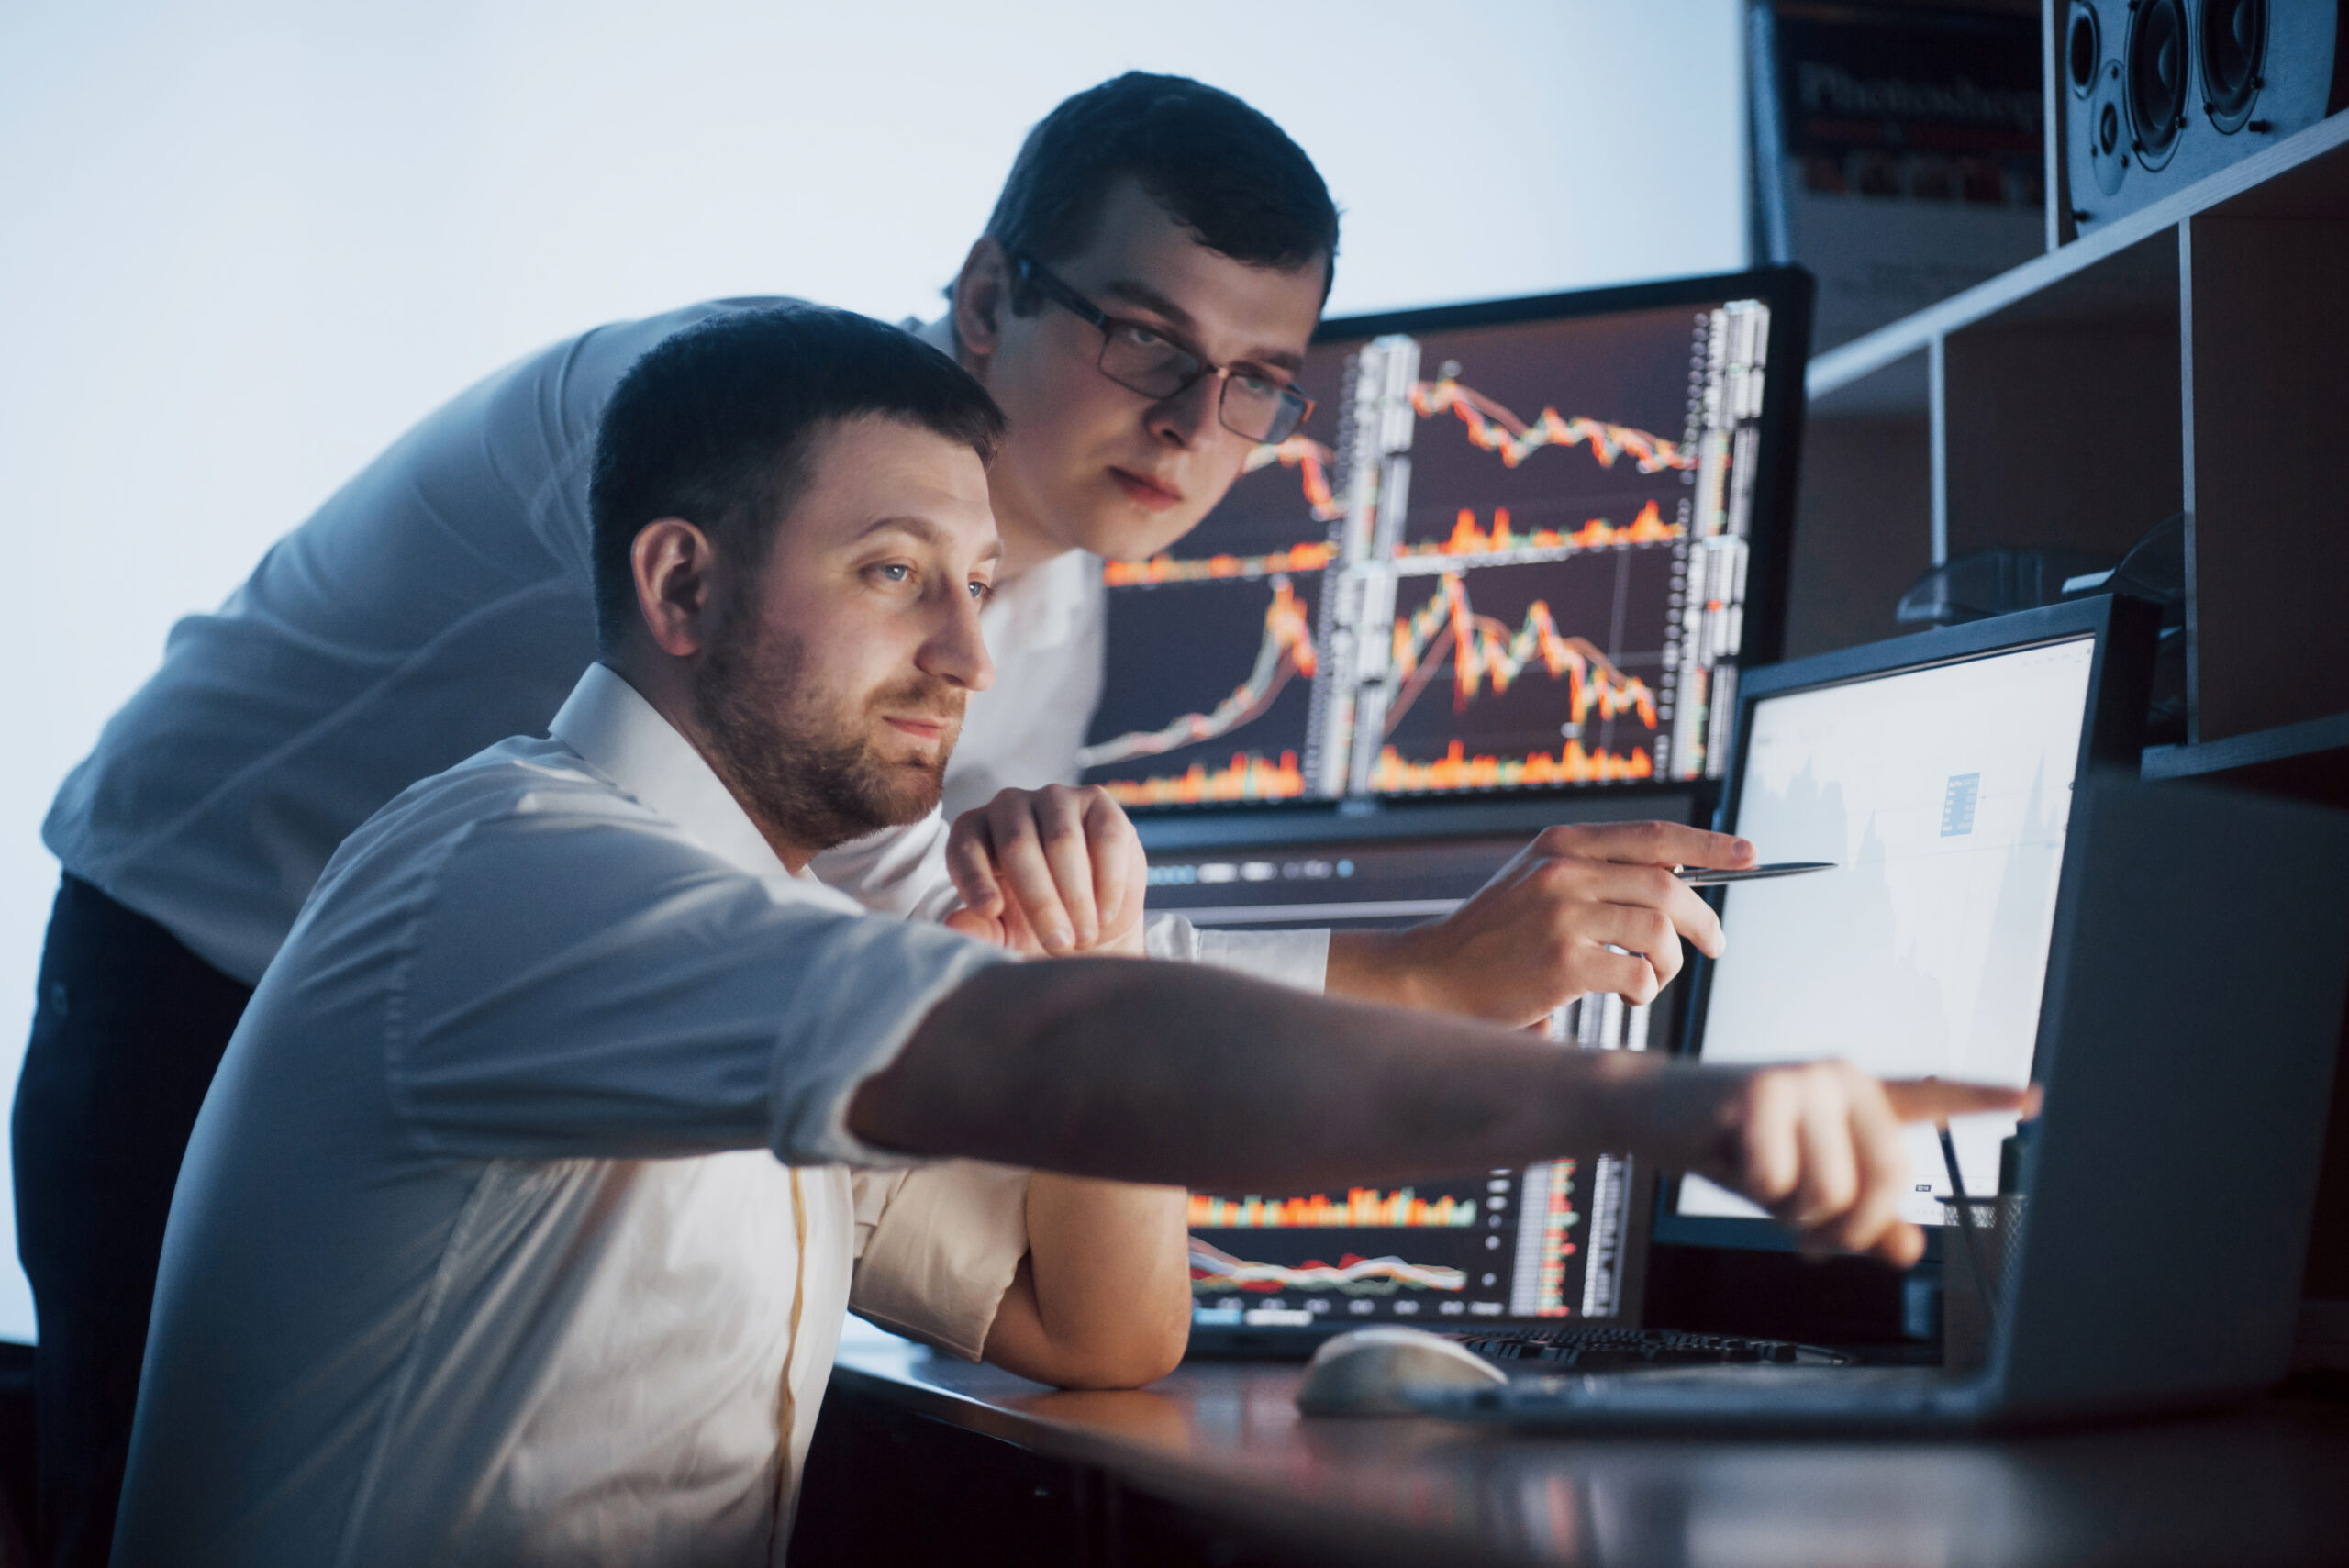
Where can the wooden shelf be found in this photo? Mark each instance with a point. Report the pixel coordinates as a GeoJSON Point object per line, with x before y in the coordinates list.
{"type": "Point", "coordinates": [2187, 358]}
{"type": "Point", "coordinates": [2305, 175]}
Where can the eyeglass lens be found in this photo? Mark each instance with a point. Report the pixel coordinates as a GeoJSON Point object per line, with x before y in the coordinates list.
{"type": "Point", "coordinates": [1156, 368]}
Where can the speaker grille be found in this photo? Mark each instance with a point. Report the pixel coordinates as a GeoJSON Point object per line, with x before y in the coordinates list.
{"type": "Point", "coordinates": [2155, 71]}
{"type": "Point", "coordinates": [2232, 47]}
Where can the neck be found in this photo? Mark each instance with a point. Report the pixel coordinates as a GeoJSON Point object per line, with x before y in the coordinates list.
{"type": "Point", "coordinates": [667, 684]}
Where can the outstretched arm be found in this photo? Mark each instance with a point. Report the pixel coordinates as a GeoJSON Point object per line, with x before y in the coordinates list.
{"type": "Point", "coordinates": [1179, 1075]}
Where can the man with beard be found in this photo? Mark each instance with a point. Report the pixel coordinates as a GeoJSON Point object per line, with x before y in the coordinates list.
{"type": "Point", "coordinates": [1138, 305]}
{"type": "Point", "coordinates": [520, 1220]}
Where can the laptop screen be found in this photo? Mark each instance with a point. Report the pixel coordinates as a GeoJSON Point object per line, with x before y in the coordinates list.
{"type": "Point", "coordinates": [1942, 794]}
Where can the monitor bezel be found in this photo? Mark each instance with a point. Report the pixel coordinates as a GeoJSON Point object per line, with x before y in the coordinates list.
{"type": "Point", "coordinates": [2120, 677]}
{"type": "Point", "coordinates": [1788, 291]}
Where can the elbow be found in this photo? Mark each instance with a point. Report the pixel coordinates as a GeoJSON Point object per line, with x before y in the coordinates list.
{"type": "Point", "coordinates": [1131, 1360]}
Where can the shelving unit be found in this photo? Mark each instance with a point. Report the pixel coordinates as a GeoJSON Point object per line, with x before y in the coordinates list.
{"type": "Point", "coordinates": [2192, 356]}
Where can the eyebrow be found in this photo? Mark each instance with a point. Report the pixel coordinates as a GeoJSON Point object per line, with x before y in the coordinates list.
{"type": "Point", "coordinates": [922, 529]}
{"type": "Point", "coordinates": [1150, 299]}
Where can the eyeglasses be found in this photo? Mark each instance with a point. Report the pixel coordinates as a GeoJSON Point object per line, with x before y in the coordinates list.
{"type": "Point", "coordinates": [1142, 359]}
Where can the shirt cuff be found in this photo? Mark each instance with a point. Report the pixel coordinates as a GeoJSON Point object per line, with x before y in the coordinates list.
{"type": "Point", "coordinates": [944, 1249]}
{"type": "Point", "coordinates": [1298, 958]}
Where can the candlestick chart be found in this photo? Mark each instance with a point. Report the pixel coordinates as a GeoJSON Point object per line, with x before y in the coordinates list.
{"type": "Point", "coordinates": [1361, 1205]}
{"type": "Point", "coordinates": [1522, 514]}
{"type": "Point", "coordinates": [1482, 653]}
{"type": "Point", "coordinates": [1535, 697]}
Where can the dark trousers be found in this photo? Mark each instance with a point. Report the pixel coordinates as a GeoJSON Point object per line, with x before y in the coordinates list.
{"type": "Point", "coordinates": [129, 1029]}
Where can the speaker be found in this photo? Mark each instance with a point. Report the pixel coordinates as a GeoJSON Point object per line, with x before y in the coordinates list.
{"type": "Point", "coordinates": [2158, 94]}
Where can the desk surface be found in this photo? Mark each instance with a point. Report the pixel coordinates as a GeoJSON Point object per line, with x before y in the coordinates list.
{"type": "Point", "coordinates": [2264, 1485]}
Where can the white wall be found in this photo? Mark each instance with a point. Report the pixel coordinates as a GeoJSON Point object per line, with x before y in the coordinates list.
{"type": "Point", "coordinates": [243, 245]}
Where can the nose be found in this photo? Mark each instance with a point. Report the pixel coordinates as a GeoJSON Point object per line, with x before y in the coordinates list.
{"type": "Point", "coordinates": [1187, 419]}
{"type": "Point", "coordinates": [955, 652]}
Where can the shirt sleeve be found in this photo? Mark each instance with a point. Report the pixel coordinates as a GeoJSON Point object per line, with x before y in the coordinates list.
{"type": "Point", "coordinates": [622, 992]}
{"type": "Point", "coordinates": [935, 1250]}
{"type": "Point", "coordinates": [1300, 959]}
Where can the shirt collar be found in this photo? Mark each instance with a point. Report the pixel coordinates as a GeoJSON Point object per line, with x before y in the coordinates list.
{"type": "Point", "coordinates": [625, 738]}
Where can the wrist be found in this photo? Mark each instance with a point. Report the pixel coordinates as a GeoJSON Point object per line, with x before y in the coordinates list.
{"type": "Point", "coordinates": [1392, 967]}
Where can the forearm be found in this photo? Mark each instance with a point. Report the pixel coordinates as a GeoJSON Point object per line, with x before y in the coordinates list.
{"type": "Point", "coordinates": [1104, 1298]}
{"type": "Point", "coordinates": [1166, 1073]}
{"type": "Point", "coordinates": [1372, 966]}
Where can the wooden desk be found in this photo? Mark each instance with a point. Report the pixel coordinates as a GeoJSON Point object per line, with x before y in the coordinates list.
{"type": "Point", "coordinates": [923, 1460]}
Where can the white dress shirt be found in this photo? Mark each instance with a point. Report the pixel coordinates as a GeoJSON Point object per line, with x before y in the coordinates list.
{"type": "Point", "coordinates": [440, 602]}
{"type": "Point", "coordinates": [520, 1223]}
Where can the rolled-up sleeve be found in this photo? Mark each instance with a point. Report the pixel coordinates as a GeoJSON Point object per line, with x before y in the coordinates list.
{"type": "Point", "coordinates": [579, 983]}
{"type": "Point", "coordinates": [937, 1249]}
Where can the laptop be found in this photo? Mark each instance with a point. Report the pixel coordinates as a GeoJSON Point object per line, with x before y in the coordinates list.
{"type": "Point", "coordinates": [2013, 905]}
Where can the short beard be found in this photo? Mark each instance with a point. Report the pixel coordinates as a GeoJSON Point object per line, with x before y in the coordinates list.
{"type": "Point", "coordinates": [801, 766]}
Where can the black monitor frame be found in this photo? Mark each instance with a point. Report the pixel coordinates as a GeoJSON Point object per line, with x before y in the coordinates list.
{"type": "Point", "coordinates": [1788, 291]}
{"type": "Point", "coordinates": [2112, 737]}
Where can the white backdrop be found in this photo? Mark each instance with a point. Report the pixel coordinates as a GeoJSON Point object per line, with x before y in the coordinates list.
{"type": "Point", "coordinates": [243, 245]}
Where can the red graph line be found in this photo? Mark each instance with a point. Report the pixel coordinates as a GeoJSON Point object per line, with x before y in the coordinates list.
{"type": "Point", "coordinates": [1315, 459]}
{"type": "Point", "coordinates": [1495, 429]}
{"type": "Point", "coordinates": [1214, 1269]}
{"type": "Point", "coordinates": [1481, 649]}
{"type": "Point", "coordinates": [1467, 538]}
{"type": "Point", "coordinates": [1286, 651]}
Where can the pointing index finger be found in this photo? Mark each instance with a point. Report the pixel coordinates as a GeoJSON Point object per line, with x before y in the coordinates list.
{"type": "Point", "coordinates": [1936, 1099]}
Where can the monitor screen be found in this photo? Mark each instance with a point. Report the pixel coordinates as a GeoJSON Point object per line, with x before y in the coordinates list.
{"type": "Point", "coordinates": [1547, 1242]}
{"type": "Point", "coordinates": [1942, 795]}
{"type": "Point", "coordinates": [1500, 555]}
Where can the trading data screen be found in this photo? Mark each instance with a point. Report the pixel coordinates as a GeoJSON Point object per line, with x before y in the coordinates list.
{"type": "Point", "coordinates": [1944, 796]}
{"type": "Point", "coordinates": [1545, 1242]}
{"type": "Point", "coordinates": [1496, 558]}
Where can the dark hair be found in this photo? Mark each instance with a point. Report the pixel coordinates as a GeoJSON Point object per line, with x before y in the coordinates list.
{"type": "Point", "coordinates": [1222, 170]}
{"type": "Point", "coordinates": [715, 425]}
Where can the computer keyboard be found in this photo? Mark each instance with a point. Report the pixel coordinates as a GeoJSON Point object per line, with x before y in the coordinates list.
{"type": "Point", "coordinates": [1593, 1347]}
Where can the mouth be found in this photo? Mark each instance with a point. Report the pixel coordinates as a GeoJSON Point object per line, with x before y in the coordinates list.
{"type": "Point", "coordinates": [1151, 494]}
{"type": "Point", "coordinates": [920, 729]}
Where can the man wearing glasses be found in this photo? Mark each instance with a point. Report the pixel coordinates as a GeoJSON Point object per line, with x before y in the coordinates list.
{"type": "Point", "coordinates": [1139, 306]}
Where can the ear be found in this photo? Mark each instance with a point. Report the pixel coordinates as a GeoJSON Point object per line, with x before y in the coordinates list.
{"type": "Point", "coordinates": [982, 299]}
{"type": "Point", "coordinates": [674, 566]}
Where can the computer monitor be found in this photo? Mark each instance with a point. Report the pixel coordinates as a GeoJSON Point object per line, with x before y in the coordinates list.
{"type": "Point", "coordinates": [1936, 771]}
{"type": "Point", "coordinates": [1530, 1245]}
{"type": "Point", "coordinates": [1521, 546]}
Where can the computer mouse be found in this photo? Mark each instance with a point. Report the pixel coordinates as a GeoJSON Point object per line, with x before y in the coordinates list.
{"type": "Point", "coordinates": [1364, 1373]}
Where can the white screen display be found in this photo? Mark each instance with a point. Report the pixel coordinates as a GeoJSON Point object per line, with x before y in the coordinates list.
{"type": "Point", "coordinates": [1942, 795]}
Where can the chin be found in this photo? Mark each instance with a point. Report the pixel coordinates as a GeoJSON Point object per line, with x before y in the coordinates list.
{"type": "Point", "coordinates": [912, 794]}
{"type": "Point", "coordinates": [1128, 533]}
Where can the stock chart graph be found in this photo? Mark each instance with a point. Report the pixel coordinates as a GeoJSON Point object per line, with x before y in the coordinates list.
{"type": "Point", "coordinates": [1542, 518]}
{"type": "Point", "coordinates": [1505, 1244]}
{"type": "Point", "coordinates": [1241, 742]}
